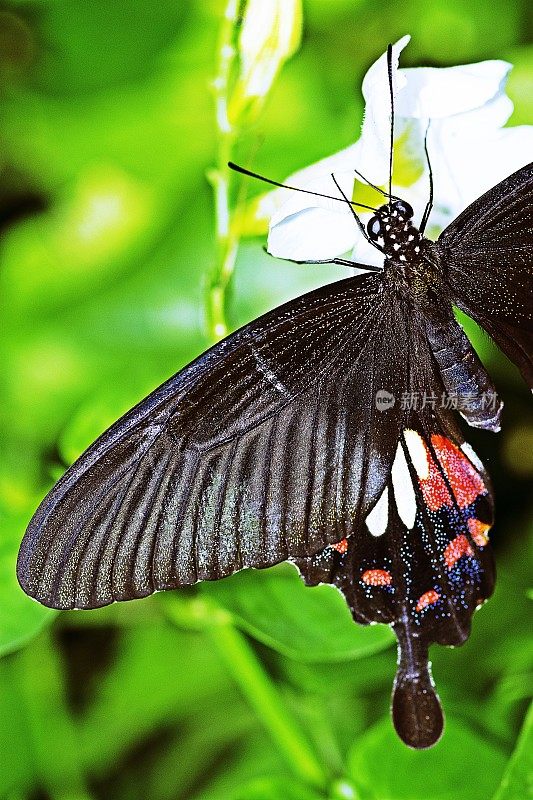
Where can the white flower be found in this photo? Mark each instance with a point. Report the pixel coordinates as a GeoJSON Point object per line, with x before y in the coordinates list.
{"type": "Point", "coordinates": [470, 151]}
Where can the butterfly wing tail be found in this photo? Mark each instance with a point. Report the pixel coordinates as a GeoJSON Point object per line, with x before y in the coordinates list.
{"type": "Point", "coordinates": [416, 709]}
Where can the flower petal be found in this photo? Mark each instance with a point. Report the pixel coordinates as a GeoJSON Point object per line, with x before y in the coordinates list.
{"type": "Point", "coordinates": [365, 253]}
{"type": "Point", "coordinates": [437, 92]}
{"type": "Point", "coordinates": [480, 122]}
{"type": "Point", "coordinates": [316, 178]}
{"type": "Point", "coordinates": [324, 194]}
{"type": "Point", "coordinates": [312, 234]}
{"type": "Point", "coordinates": [375, 134]}
{"type": "Point", "coordinates": [475, 164]}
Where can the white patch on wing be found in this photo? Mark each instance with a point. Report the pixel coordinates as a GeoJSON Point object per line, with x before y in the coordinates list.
{"type": "Point", "coordinates": [404, 492]}
{"type": "Point", "coordinates": [378, 518]}
{"type": "Point", "coordinates": [417, 451]}
{"type": "Point", "coordinates": [267, 372]}
{"type": "Point", "coordinates": [470, 453]}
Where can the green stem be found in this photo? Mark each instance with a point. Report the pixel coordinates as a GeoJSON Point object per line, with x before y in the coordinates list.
{"type": "Point", "coordinates": [226, 240]}
{"type": "Point", "coordinates": [227, 245]}
{"type": "Point", "coordinates": [262, 695]}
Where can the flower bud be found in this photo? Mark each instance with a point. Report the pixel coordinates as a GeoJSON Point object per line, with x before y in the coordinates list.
{"type": "Point", "coordinates": [270, 34]}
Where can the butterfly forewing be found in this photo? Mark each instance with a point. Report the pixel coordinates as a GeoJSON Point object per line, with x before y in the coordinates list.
{"type": "Point", "coordinates": [268, 446]}
{"type": "Point", "coordinates": [487, 253]}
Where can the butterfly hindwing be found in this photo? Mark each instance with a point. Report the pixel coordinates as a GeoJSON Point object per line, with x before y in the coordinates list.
{"type": "Point", "coordinates": [269, 446]}
{"type": "Point", "coordinates": [421, 560]}
{"type": "Point", "coordinates": [487, 252]}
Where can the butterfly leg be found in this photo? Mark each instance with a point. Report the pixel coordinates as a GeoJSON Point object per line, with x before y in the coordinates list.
{"type": "Point", "coordinates": [343, 262]}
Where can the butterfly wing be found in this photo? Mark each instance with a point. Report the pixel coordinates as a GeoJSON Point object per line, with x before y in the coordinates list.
{"type": "Point", "coordinates": [488, 255]}
{"type": "Point", "coordinates": [268, 446]}
{"type": "Point", "coordinates": [421, 561]}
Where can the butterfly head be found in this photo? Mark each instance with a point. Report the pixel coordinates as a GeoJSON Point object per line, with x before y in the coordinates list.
{"type": "Point", "coordinates": [392, 227]}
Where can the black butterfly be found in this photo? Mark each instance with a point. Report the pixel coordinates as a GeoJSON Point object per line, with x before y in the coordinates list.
{"type": "Point", "coordinates": [290, 440]}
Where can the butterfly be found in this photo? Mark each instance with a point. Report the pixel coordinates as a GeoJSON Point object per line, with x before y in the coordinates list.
{"type": "Point", "coordinates": [291, 440]}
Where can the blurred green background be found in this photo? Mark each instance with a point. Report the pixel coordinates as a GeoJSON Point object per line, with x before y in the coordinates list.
{"type": "Point", "coordinates": [254, 688]}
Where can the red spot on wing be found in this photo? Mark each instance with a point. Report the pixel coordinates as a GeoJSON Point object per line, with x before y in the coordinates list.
{"type": "Point", "coordinates": [434, 489]}
{"type": "Point", "coordinates": [376, 577]}
{"type": "Point", "coordinates": [427, 599]}
{"type": "Point", "coordinates": [341, 547]}
{"type": "Point", "coordinates": [458, 547]}
{"type": "Point", "coordinates": [478, 531]}
{"type": "Point", "coordinates": [462, 476]}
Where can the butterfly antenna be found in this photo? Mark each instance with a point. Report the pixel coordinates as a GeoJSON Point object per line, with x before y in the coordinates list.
{"type": "Point", "coordinates": [429, 206]}
{"type": "Point", "coordinates": [369, 183]}
{"type": "Point", "coordinates": [250, 174]}
{"type": "Point", "coordinates": [373, 185]}
{"type": "Point", "coordinates": [355, 215]}
{"type": "Point", "coordinates": [391, 93]}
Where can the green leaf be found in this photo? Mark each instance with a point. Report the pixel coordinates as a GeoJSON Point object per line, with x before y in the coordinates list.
{"type": "Point", "coordinates": [274, 789]}
{"type": "Point", "coordinates": [20, 617]}
{"type": "Point", "coordinates": [462, 766]}
{"type": "Point", "coordinates": [158, 675]}
{"type": "Point", "coordinates": [85, 47]}
{"type": "Point", "coordinates": [307, 623]}
{"type": "Point", "coordinates": [50, 726]}
{"type": "Point", "coordinates": [517, 782]}
{"type": "Point", "coordinates": [519, 85]}
{"type": "Point", "coordinates": [17, 770]}
{"type": "Point", "coordinates": [255, 758]}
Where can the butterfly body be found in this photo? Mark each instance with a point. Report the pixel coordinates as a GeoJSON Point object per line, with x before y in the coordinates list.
{"type": "Point", "coordinates": [392, 227]}
{"type": "Point", "coordinates": [466, 381]}
{"type": "Point", "coordinates": [414, 272]}
{"type": "Point", "coordinates": [412, 267]}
